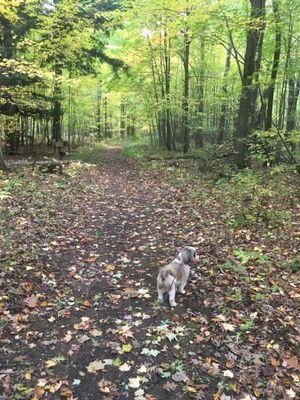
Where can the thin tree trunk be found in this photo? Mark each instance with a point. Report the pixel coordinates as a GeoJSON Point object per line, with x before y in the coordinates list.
{"type": "Point", "coordinates": [57, 108]}
{"type": "Point", "coordinates": [271, 88]}
{"type": "Point", "coordinates": [69, 110]}
{"type": "Point", "coordinates": [98, 115]}
{"type": "Point", "coordinates": [2, 161]}
{"type": "Point", "coordinates": [285, 73]}
{"type": "Point", "coordinates": [294, 88]}
{"type": "Point", "coordinates": [199, 140]}
{"type": "Point", "coordinates": [222, 121]}
{"type": "Point", "coordinates": [185, 101]}
{"type": "Point", "coordinates": [122, 119]}
{"type": "Point", "coordinates": [167, 67]}
{"type": "Point", "coordinates": [105, 118]}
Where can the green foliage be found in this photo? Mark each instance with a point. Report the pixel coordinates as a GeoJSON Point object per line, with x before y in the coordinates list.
{"type": "Point", "coordinates": [266, 146]}
{"type": "Point", "coordinates": [245, 256]}
{"type": "Point", "coordinates": [294, 266]}
{"type": "Point", "coordinates": [252, 198]}
{"type": "Point", "coordinates": [143, 151]}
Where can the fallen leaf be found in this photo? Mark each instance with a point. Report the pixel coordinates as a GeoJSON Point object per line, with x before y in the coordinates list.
{"type": "Point", "coordinates": [31, 301]}
{"type": "Point", "coordinates": [127, 348]}
{"type": "Point", "coordinates": [228, 373]}
{"type": "Point", "coordinates": [179, 377]}
{"type": "Point", "coordinates": [95, 366]}
{"type": "Point", "coordinates": [291, 394]}
{"type": "Point", "coordinates": [293, 363]}
{"type": "Point", "coordinates": [228, 327]}
{"type": "Point", "coordinates": [50, 363]}
{"type": "Point", "coordinates": [134, 383]}
{"type": "Point", "coordinates": [170, 386]}
{"type": "Point", "coordinates": [125, 367]}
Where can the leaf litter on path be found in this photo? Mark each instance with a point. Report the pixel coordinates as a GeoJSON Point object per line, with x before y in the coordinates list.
{"type": "Point", "coordinates": [78, 311]}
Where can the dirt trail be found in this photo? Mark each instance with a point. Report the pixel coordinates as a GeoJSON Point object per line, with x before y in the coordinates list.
{"type": "Point", "coordinates": [97, 328]}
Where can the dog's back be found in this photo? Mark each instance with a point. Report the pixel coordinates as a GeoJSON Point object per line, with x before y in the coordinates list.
{"type": "Point", "coordinates": [168, 275]}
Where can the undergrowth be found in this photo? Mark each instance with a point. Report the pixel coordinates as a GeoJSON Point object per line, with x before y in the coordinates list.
{"type": "Point", "coordinates": [263, 198]}
{"type": "Point", "coordinates": [90, 153]}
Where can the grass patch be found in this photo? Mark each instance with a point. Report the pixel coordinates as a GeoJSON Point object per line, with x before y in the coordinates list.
{"type": "Point", "coordinates": [143, 151]}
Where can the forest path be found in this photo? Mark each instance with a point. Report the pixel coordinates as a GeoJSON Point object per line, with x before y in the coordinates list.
{"type": "Point", "coordinates": [83, 321]}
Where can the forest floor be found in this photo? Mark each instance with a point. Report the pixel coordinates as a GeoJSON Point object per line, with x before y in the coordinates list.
{"type": "Point", "coordinates": [78, 312]}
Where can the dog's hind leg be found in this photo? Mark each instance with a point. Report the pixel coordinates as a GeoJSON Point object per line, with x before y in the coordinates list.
{"type": "Point", "coordinates": [172, 297]}
{"type": "Point", "coordinates": [160, 298]}
{"type": "Point", "coordinates": [172, 292]}
{"type": "Point", "coordinates": [160, 291]}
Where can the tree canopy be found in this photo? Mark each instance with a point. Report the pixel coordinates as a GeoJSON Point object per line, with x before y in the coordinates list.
{"type": "Point", "coordinates": [186, 73]}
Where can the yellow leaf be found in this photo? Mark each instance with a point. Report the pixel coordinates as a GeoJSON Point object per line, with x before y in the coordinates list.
{"type": "Point", "coordinates": [105, 389]}
{"type": "Point", "coordinates": [256, 392]}
{"type": "Point", "coordinates": [50, 363]}
{"type": "Point", "coordinates": [127, 348]}
{"type": "Point", "coordinates": [87, 303]}
{"type": "Point", "coordinates": [27, 376]}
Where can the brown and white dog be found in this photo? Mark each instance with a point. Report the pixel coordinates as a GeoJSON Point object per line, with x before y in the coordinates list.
{"type": "Point", "coordinates": [175, 274]}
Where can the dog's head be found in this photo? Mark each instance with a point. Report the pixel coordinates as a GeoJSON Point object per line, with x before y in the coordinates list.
{"type": "Point", "coordinates": [189, 255]}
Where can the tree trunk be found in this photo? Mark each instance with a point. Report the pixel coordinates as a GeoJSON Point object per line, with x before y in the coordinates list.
{"type": "Point", "coordinates": [200, 111]}
{"type": "Point", "coordinates": [271, 88]}
{"type": "Point", "coordinates": [122, 119]}
{"type": "Point", "coordinates": [282, 103]}
{"type": "Point", "coordinates": [167, 65]}
{"type": "Point", "coordinates": [247, 98]}
{"type": "Point", "coordinates": [98, 115]}
{"type": "Point", "coordinates": [185, 101]}
{"type": "Point", "coordinates": [2, 161]}
{"type": "Point", "coordinates": [105, 118]}
{"type": "Point", "coordinates": [57, 107]}
{"type": "Point", "coordinates": [294, 88]}
{"type": "Point", "coordinates": [222, 121]}
{"type": "Point", "coordinates": [7, 38]}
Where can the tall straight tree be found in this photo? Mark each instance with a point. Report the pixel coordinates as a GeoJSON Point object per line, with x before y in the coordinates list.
{"type": "Point", "coordinates": [276, 59]}
{"type": "Point", "coordinates": [223, 113]}
{"type": "Point", "coordinates": [248, 99]}
{"type": "Point", "coordinates": [186, 83]}
{"type": "Point", "coordinates": [199, 140]}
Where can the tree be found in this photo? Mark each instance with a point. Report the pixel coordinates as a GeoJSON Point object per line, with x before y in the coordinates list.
{"type": "Point", "coordinates": [252, 60]}
{"type": "Point", "coordinates": [277, 48]}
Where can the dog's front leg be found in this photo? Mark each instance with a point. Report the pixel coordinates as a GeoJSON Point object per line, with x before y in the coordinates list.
{"type": "Point", "coordinates": [184, 280]}
{"type": "Point", "coordinates": [181, 287]}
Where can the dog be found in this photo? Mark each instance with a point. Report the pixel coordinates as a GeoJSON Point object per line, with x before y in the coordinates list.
{"type": "Point", "coordinates": [175, 275]}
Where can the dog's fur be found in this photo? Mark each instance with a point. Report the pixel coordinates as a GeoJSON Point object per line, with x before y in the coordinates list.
{"type": "Point", "coordinates": [175, 274]}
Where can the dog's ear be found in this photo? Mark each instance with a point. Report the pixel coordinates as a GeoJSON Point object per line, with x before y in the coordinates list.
{"type": "Point", "coordinates": [190, 254]}
{"type": "Point", "coordinates": [186, 255]}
